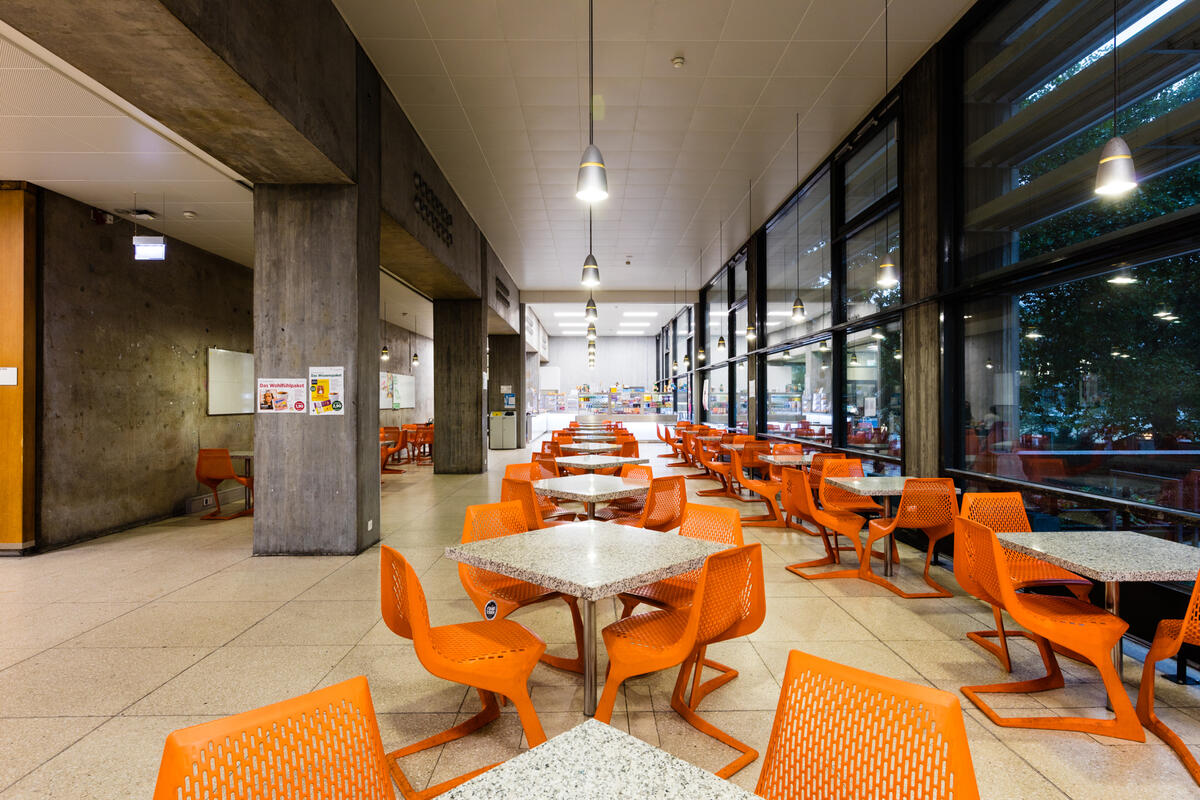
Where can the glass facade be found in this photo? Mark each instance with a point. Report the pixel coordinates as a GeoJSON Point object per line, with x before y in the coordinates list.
{"type": "Point", "coordinates": [798, 265]}
{"type": "Point", "coordinates": [868, 252]}
{"type": "Point", "coordinates": [717, 306]}
{"type": "Point", "coordinates": [714, 393]}
{"type": "Point", "coordinates": [742, 397]}
{"type": "Point", "coordinates": [800, 392]}
{"type": "Point", "coordinates": [871, 172]}
{"type": "Point", "coordinates": [874, 390]}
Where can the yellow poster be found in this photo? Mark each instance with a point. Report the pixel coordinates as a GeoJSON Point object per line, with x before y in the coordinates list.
{"type": "Point", "coordinates": [326, 390]}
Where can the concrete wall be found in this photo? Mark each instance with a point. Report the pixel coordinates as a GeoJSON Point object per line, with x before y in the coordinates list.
{"type": "Point", "coordinates": [619, 359]}
{"type": "Point", "coordinates": [399, 342]}
{"type": "Point", "coordinates": [124, 404]}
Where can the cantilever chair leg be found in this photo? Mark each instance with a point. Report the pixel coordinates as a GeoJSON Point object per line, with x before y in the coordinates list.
{"type": "Point", "coordinates": [686, 709]}
{"type": "Point", "coordinates": [999, 648]}
{"type": "Point", "coordinates": [570, 664]}
{"type": "Point", "coordinates": [1163, 646]}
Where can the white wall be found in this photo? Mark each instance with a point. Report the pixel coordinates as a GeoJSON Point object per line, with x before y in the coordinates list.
{"type": "Point", "coordinates": [619, 359]}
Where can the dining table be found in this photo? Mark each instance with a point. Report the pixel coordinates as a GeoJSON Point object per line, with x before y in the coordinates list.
{"type": "Point", "coordinates": [884, 486]}
{"type": "Point", "coordinates": [590, 560]}
{"type": "Point", "coordinates": [594, 462]}
{"type": "Point", "coordinates": [591, 489]}
{"type": "Point", "coordinates": [788, 459]}
{"type": "Point", "coordinates": [1111, 558]}
{"type": "Point", "coordinates": [589, 447]}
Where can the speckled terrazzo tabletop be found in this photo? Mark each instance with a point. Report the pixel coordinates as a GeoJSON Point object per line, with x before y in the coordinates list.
{"type": "Point", "coordinates": [710, 438]}
{"type": "Point", "coordinates": [1109, 556]}
{"type": "Point", "coordinates": [787, 459]}
{"type": "Point", "coordinates": [591, 488]}
{"type": "Point", "coordinates": [590, 560]}
{"type": "Point", "coordinates": [594, 760]}
{"type": "Point", "coordinates": [589, 447]}
{"type": "Point", "coordinates": [598, 462]}
{"type": "Point", "coordinates": [594, 437]}
{"type": "Point", "coordinates": [872, 487]}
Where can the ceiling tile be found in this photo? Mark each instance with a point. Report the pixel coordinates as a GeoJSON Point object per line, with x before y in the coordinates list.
{"type": "Point", "coordinates": [475, 58]}
{"type": "Point", "coordinates": [545, 59]}
{"type": "Point", "coordinates": [404, 56]}
{"type": "Point", "coordinates": [814, 59]}
{"type": "Point", "coordinates": [395, 18]}
{"type": "Point", "coordinates": [668, 141]}
{"type": "Point", "coordinates": [462, 19]}
{"type": "Point", "coordinates": [612, 91]}
{"type": "Point", "coordinates": [688, 19]}
{"type": "Point", "coordinates": [731, 91]}
{"type": "Point", "coordinates": [550, 92]}
{"type": "Point", "coordinates": [421, 90]}
{"type": "Point", "coordinates": [664, 118]}
{"type": "Point", "coordinates": [37, 135]}
{"type": "Point", "coordinates": [745, 59]}
{"type": "Point", "coordinates": [491, 121]}
{"type": "Point", "coordinates": [670, 91]}
{"type": "Point", "coordinates": [550, 118]}
{"type": "Point", "coordinates": [793, 93]}
{"type": "Point", "coordinates": [842, 20]}
{"type": "Point", "coordinates": [764, 20]}
{"type": "Point", "coordinates": [720, 118]}
{"type": "Point", "coordinates": [537, 19]}
{"type": "Point", "coordinates": [615, 60]}
{"type": "Point", "coordinates": [438, 118]}
{"type": "Point", "coordinates": [493, 91]}
{"type": "Point", "coordinates": [697, 58]}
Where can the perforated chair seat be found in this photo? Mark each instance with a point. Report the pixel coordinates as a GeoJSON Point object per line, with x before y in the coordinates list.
{"type": "Point", "coordinates": [513, 590]}
{"type": "Point", "coordinates": [498, 641]}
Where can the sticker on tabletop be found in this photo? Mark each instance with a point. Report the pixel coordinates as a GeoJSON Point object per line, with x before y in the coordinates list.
{"type": "Point", "coordinates": [280, 395]}
{"type": "Point", "coordinates": [326, 390]}
{"type": "Point", "coordinates": [490, 610]}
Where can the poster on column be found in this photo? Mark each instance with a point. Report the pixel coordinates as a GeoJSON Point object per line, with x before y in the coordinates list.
{"type": "Point", "coordinates": [327, 390]}
{"type": "Point", "coordinates": [280, 396]}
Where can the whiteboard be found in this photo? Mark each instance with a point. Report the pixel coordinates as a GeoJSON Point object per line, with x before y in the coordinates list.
{"type": "Point", "coordinates": [404, 391]}
{"type": "Point", "coordinates": [230, 382]}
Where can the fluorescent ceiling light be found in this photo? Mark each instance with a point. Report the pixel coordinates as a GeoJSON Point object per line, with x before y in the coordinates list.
{"type": "Point", "coordinates": [631, 333]}
{"type": "Point", "coordinates": [568, 324]}
{"type": "Point", "coordinates": [568, 313]}
{"type": "Point", "coordinates": [779, 313]}
{"type": "Point", "coordinates": [633, 324]}
{"type": "Point", "coordinates": [640, 314]}
{"type": "Point", "coordinates": [573, 333]}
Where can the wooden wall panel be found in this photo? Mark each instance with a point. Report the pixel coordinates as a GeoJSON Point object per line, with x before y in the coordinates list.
{"type": "Point", "coordinates": [18, 348]}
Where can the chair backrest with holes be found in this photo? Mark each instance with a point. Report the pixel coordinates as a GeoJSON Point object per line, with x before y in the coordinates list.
{"type": "Point", "coordinates": [833, 496]}
{"type": "Point", "coordinates": [321, 744]}
{"type": "Point", "coordinates": [842, 732]}
{"type": "Point", "coordinates": [1000, 511]}
{"type": "Point", "coordinates": [712, 524]}
{"type": "Point", "coordinates": [817, 468]}
{"type": "Point", "coordinates": [530, 471]}
{"type": "Point", "coordinates": [513, 490]}
{"type": "Point", "coordinates": [927, 503]}
{"type": "Point", "coordinates": [401, 598]}
{"type": "Point", "coordinates": [629, 449]}
{"type": "Point", "coordinates": [664, 503]}
{"type": "Point", "coordinates": [730, 595]}
{"type": "Point", "coordinates": [974, 565]}
{"type": "Point", "coordinates": [640, 472]}
{"type": "Point", "coordinates": [796, 496]}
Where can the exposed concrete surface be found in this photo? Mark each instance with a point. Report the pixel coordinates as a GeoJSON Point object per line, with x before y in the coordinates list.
{"type": "Point", "coordinates": [124, 370]}
{"type": "Point", "coordinates": [401, 343]}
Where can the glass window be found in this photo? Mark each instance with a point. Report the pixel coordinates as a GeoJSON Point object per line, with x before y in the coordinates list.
{"type": "Point", "coordinates": [683, 398]}
{"type": "Point", "coordinates": [714, 395]}
{"type": "Point", "coordinates": [1092, 385]}
{"type": "Point", "coordinates": [1038, 108]}
{"type": "Point", "coordinates": [874, 389]}
{"type": "Point", "coordinates": [739, 279]}
{"type": "Point", "coordinates": [717, 298]}
{"type": "Point", "coordinates": [871, 285]}
{"type": "Point", "coordinates": [683, 329]}
{"type": "Point", "coordinates": [871, 172]}
{"type": "Point", "coordinates": [739, 331]}
{"type": "Point", "coordinates": [741, 418]}
{"type": "Point", "coordinates": [800, 392]}
{"type": "Point", "coordinates": [798, 265]}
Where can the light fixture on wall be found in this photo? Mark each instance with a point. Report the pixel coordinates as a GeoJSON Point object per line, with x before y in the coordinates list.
{"type": "Point", "coordinates": [896, 355]}
{"type": "Point", "coordinates": [798, 303]}
{"type": "Point", "coordinates": [888, 276]}
{"type": "Point", "coordinates": [592, 184]}
{"type": "Point", "coordinates": [1115, 174]}
{"type": "Point", "coordinates": [589, 311]}
{"type": "Point", "coordinates": [416, 359]}
{"type": "Point", "coordinates": [591, 269]}
{"type": "Point", "coordinates": [591, 331]}
{"type": "Point", "coordinates": [674, 367]}
{"type": "Point", "coordinates": [823, 346]}
{"type": "Point", "coordinates": [687, 362]}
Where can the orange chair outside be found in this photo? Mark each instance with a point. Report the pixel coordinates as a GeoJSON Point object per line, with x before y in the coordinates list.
{"type": "Point", "coordinates": [506, 594]}
{"type": "Point", "coordinates": [214, 467]}
{"type": "Point", "coordinates": [665, 503]}
{"type": "Point", "coordinates": [321, 744]}
{"type": "Point", "coordinates": [927, 504]}
{"type": "Point", "coordinates": [1005, 511]}
{"type": "Point", "coordinates": [797, 497]}
{"type": "Point", "coordinates": [710, 523]}
{"type": "Point", "coordinates": [1065, 621]}
{"type": "Point", "coordinates": [843, 733]}
{"type": "Point", "coordinates": [491, 656]}
{"type": "Point", "coordinates": [765, 489]}
{"type": "Point", "coordinates": [729, 602]}
{"type": "Point", "coordinates": [1170, 635]}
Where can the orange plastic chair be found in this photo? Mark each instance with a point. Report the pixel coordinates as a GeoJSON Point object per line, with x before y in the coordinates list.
{"type": "Point", "coordinates": [817, 467]}
{"type": "Point", "coordinates": [765, 489]}
{"type": "Point", "coordinates": [797, 497]}
{"type": "Point", "coordinates": [496, 596]}
{"type": "Point", "coordinates": [1068, 622]}
{"type": "Point", "coordinates": [534, 471]}
{"type": "Point", "coordinates": [664, 506]}
{"type": "Point", "coordinates": [729, 602]}
{"type": "Point", "coordinates": [512, 489]}
{"type": "Point", "coordinates": [710, 523]}
{"type": "Point", "coordinates": [386, 452]}
{"type": "Point", "coordinates": [491, 656]}
{"type": "Point", "coordinates": [842, 733]}
{"type": "Point", "coordinates": [720, 471]}
{"type": "Point", "coordinates": [1005, 511]}
{"type": "Point", "coordinates": [784, 449]}
{"type": "Point", "coordinates": [1170, 635]}
{"type": "Point", "coordinates": [927, 504]}
{"type": "Point", "coordinates": [629, 449]}
{"type": "Point", "coordinates": [627, 506]}
{"type": "Point", "coordinates": [214, 467]}
{"type": "Point", "coordinates": [664, 435]}
{"type": "Point", "coordinates": [321, 744]}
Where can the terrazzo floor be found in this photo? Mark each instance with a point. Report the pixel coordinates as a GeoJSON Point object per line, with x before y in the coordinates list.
{"type": "Point", "coordinates": [107, 646]}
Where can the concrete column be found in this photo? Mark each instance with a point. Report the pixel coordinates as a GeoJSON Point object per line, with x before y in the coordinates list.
{"type": "Point", "coordinates": [18, 350]}
{"type": "Point", "coordinates": [316, 304]}
{"type": "Point", "coordinates": [459, 403]}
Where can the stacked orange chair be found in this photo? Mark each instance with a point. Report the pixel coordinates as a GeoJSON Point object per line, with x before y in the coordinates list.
{"type": "Point", "coordinates": [1170, 635]}
{"type": "Point", "coordinates": [927, 504]}
{"type": "Point", "coordinates": [214, 467]}
{"type": "Point", "coordinates": [842, 733]}
{"type": "Point", "coordinates": [665, 504]}
{"type": "Point", "coordinates": [321, 744]}
{"type": "Point", "coordinates": [505, 594]}
{"type": "Point", "coordinates": [1005, 511]}
{"type": "Point", "coordinates": [1067, 622]}
{"type": "Point", "coordinates": [491, 656]}
{"type": "Point", "coordinates": [767, 490]}
{"type": "Point", "coordinates": [797, 498]}
{"type": "Point", "coordinates": [729, 602]}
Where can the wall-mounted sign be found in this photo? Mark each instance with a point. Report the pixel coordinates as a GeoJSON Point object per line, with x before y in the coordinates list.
{"type": "Point", "coordinates": [431, 209]}
{"type": "Point", "coordinates": [8, 376]}
{"type": "Point", "coordinates": [280, 396]}
{"type": "Point", "coordinates": [327, 390]}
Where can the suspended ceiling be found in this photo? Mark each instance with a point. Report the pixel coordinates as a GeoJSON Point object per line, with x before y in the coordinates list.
{"type": "Point", "coordinates": [498, 91]}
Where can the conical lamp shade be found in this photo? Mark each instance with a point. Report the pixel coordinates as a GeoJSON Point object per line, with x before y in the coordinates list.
{"type": "Point", "coordinates": [888, 277]}
{"type": "Point", "coordinates": [591, 333]}
{"type": "Point", "coordinates": [797, 310]}
{"type": "Point", "coordinates": [416, 360]}
{"type": "Point", "coordinates": [591, 272]}
{"type": "Point", "coordinates": [384, 354]}
{"type": "Point", "coordinates": [1115, 174]}
{"type": "Point", "coordinates": [721, 343]}
{"type": "Point", "coordinates": [589, 311]}
{"type": "Point", "coordinates": [592, 184]}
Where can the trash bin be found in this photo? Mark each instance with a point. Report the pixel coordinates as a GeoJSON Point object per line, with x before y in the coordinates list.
{"type": "Point", "coordinates": [502, 430]}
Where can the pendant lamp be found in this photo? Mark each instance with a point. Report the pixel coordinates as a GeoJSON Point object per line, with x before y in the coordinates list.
{"type": "Point", "coordinates": [589, 311]}
{"type": "Point", "coordinates": [798, 303]}
{"type": "Point", "coordinates": [591, 270]}
{"type": "Point", "coordinates": [720, 345]}
{"type": "Point", "coordinates": [384, 353]}
{"type": "Point", "coordinates": [416, 359]}
{"type": "Point", "coordinates": [888, 276]}
{"type": "Point", "coordinates": [751, 328]}
{"type": "Point", "coordinates": [591, 331]}
{"type": "Point", "coordinates": [592, 184]}
{"type": "Point", "coordinates": [1116, 174]}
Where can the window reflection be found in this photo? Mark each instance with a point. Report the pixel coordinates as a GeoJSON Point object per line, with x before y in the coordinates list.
{"type": "Point", "coordinates": [798, 265]}
{"type": "Point", "coordinates": [714, 395]}
{"type": "Point", "coordinates": [717, 298]}
{"type": "Point", "coordinates": [871, 172]}
{"type": "Point", "coordinates": [869, 287]}
{"type": "Point", "coordinates": [800, 392]}
{"type": "Point", "coordinates": [743, 399]}
{"type": "Point", "coordinates": [874, 383]}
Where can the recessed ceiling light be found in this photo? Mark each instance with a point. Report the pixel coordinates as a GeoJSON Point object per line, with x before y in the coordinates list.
{"type": "Point", "coordinates": [568, 313]}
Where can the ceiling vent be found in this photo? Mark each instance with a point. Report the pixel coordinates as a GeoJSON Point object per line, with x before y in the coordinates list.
{"type": "Point", "coordinates": [137, 213]}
